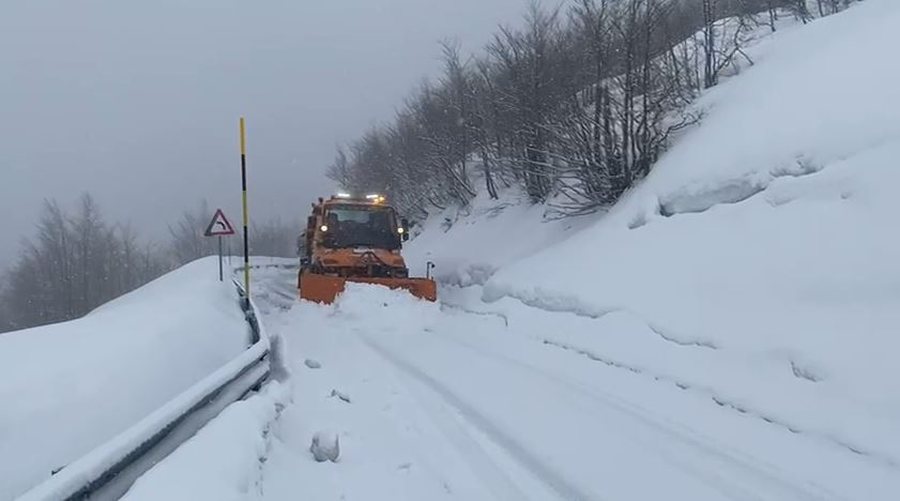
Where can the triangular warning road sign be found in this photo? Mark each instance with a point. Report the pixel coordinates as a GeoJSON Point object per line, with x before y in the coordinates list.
{"type": "Point", "coordinates": [219, 226]}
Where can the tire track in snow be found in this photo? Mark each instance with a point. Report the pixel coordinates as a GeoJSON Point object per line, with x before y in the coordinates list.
{"type": "Point", "coordinates": [484, 467]}
{"type": "Point", "coordinates": [275, 289]}
{"type": "Point", "coordinates": [537, 468]}
{"type": "Point", "coordinates": [460, 441]}
{"type": "Point", "coordinates": [592, 398]}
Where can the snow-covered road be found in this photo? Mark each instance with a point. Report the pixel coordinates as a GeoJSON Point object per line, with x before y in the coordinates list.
{"type": "Point", "coordinates": [465, 400]}
{"type": "Point", "coordinates": [726, 331]}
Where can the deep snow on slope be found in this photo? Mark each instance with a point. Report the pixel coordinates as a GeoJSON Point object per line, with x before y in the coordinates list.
{"type": "Point", "coordinates": [473, 242]}
{"type": "Point", "coordinates": [221, 462]}
{"type": "Point", "coordinates": [469, 245]}
{"type": "Point", "coordinates": [67, 388]}
{"type": "Point", "coordinates": [761, 251]}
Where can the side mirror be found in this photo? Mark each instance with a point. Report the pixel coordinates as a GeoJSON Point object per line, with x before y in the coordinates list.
{"type": "Point", "coordinates": [404, 223]}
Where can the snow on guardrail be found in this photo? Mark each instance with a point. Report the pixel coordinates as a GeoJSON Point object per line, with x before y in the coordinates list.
{"type": "Point", "coordinates": [109, 470]}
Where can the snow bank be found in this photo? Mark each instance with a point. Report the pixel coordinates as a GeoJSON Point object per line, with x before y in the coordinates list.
{"type": "Point", "coordinates": [373, 306]}
{"type": "Point", "coordinates": [821, 94]}
{"type": "Point", "coordinates": [469, 246]}
{"type": "Point", "coordinates": [69, 387]}
{"type": "Point", "coordinates": [757, 265]}
{"type": "Point", "coordinates": [766, 234]}
{"type": "Point", "coordinates": [223, 461]}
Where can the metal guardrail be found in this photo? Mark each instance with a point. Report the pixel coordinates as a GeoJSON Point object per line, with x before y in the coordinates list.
{"type": "Point", "coordinates": [108, 471]}
{"type": "Point", "coordinates": [264, 266]}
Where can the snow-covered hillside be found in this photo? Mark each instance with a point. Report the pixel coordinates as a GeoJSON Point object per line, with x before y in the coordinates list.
{"type": "Point", "coordinates": [757, 264]}
{"type": "Point", "coordinates": [764, 239]}
{"type": "Point", "coordinates": [67, 388]}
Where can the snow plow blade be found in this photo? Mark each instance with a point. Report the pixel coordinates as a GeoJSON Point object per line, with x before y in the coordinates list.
{"type": "Point", "coordinates": [325, 289]}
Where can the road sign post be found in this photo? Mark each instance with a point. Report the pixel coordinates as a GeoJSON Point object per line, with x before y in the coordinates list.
{"type": "Point", "coordinates": [219, 227]}
{"type": "Point", "coordinates": [246, 214]}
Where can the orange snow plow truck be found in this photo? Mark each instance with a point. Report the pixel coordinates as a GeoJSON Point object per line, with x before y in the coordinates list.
{"type": "Point", "coordinates": [355, 239]}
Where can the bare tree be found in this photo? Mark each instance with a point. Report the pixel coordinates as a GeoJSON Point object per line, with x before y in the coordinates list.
{"type": "Point", "coordinates": [801, 10]}
{"type": "Point", "coordinates": [572, 110]}
{"type": "Point", "coordinates": [187, 242]}
{"type": "Point", "coordinates": [710, 76]}
{"type": "Point", "coordinates": [73, 264]}
{"type": "Point", "coordinates": [6, 323]}
{"type": "Point", "coordinates": [274, 238]}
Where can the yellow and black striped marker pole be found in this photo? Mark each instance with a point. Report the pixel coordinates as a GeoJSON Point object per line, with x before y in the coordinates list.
{"type": "Point", "coordinates": [246, 215]}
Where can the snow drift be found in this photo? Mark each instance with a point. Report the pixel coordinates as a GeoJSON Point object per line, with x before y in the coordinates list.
{"type": "Point", "coordinates": [221, 461]}
{"type": "Point", "coordinates": [762, 246]}
{"type": "Point", "coordinates": [67, 388]}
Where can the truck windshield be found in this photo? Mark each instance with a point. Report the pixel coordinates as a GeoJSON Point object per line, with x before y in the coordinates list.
{"type": "Point", "coordinates": [362, 226]}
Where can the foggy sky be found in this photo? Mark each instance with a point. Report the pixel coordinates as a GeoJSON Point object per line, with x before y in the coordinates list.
{"type": "Point", "coordinates": [138, 102]}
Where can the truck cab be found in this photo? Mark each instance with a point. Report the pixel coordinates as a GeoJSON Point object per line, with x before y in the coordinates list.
{"type": "Point", "coordinates": [355, 239]}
